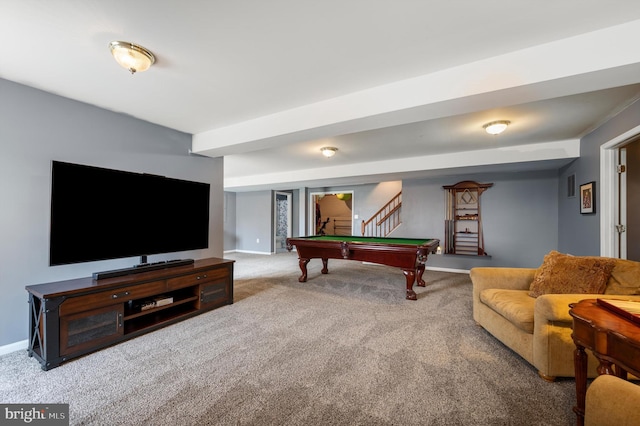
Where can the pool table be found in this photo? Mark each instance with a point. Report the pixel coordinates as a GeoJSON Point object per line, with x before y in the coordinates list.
{"type": "Point", "coordinates": [409, 254]}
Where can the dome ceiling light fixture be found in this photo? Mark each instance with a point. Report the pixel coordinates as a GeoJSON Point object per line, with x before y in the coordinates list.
{"type": "Point", "coordinates": [131, 56]}
{"type": "Point", "coordinates": [496, 127]}
{"type": "Point", "coordinates": [328, 151]}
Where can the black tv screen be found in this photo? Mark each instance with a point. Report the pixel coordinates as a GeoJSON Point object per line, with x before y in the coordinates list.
{"type": "Point", "coordinates": [99, 214]}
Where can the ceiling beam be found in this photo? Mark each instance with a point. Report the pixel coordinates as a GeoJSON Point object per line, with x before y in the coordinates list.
{"type": "Point", "coordinates": [593, 61]}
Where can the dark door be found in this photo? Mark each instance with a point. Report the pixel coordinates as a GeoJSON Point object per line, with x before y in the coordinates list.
{"type": "Point", "coordinates": [633, 200]}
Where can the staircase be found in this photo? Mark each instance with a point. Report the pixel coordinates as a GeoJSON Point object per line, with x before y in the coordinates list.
{"type": "Point", "coordinates": [385, 220]}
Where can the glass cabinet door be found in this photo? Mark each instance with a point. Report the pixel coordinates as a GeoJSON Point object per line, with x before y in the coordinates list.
{"type": "Point", "coordinates": [88, 329]}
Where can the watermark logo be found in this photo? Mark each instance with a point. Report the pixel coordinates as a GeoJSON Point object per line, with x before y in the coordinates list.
{"type": "Point", "coordinates": [34, 414]}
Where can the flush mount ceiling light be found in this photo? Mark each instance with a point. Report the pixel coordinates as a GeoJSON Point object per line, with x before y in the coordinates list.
{"type": "Point", "coordinates": [496, 127]}
{"type": "Point", "coordinates": [328, 151]}
{"type": "Point", "coordinates": [131, 56]}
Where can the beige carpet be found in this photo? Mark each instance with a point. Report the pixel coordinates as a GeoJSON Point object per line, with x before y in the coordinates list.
{"type": "Point", "coordinates": [342, 349]}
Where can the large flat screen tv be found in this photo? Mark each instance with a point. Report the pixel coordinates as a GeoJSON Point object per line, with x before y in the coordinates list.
{"type": "Point", "coordinates": [99, 214]}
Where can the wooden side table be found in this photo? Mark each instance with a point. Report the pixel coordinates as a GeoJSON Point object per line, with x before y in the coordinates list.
{"type": "Point", "coordinates": [613, 339]}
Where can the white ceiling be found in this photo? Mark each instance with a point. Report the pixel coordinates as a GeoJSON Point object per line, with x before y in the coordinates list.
{"type": "Point", "coordinates": [401, 87]}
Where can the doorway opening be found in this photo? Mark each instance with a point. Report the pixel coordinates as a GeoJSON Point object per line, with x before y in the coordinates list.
{"type": "Point", "coordinates": [617, 160]}
{"type": "Point", "coordinates": [331, 213]}
{"type": "Point", "coordinates": [282, 220]}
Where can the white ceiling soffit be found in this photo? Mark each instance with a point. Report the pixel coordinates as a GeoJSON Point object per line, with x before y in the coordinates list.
{"type": "Point", "coordinates": [414, 167]}
{"type": "Point", "coordinates": [532, 74]}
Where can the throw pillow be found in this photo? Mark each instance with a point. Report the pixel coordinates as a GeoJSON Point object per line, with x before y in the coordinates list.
{"type": "Point", "coordinates": [565, 274]}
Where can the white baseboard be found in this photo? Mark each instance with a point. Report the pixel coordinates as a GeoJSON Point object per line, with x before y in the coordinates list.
{"type": "Point", "coordinates": [455, 271]}
{"type": "Point", "coordinates": [254, 252]}
{"type": "Point", "coordinates": [13, 347]}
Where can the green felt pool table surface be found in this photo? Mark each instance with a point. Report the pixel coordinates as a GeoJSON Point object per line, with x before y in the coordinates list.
{"type": "Point", "coordinates": [373, 240]}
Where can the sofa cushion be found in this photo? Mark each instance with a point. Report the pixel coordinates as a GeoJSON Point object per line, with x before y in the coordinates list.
{"type": "Point", "coordinates": [563, 274]}
{"type": "Point", "coordinates": [625, 278]}
{"type": "Point", "coordinates": [515, 305]}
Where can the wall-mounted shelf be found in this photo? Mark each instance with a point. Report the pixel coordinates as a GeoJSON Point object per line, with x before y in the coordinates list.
{"type": "Point", "coordinates": [463, 219]}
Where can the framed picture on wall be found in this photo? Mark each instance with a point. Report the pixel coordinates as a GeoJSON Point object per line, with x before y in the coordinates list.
{"type": "Point", "coordinates": [588, 198]}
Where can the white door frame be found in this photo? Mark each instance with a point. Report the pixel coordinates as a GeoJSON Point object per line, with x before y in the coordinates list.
{"type": "Point", "coordinates": [609, 237]}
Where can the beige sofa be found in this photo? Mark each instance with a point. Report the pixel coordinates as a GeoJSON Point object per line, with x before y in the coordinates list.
{"type": "Point", "coordinates": [539, 328]}
{"type": "Point", "coordinates": [612, 401]}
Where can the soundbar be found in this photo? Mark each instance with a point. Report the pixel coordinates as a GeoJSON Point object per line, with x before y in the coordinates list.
{"type": "Point", "coordinates": [137, 269]}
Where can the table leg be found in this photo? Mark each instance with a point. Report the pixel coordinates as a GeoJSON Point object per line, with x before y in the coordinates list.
{"type": "Point", "coordinates": [420, 271]}
{"type": "Point", "coordinates": [604, 367]}
{"type": "Point", "coordinates": [410, 276]}
{"type": "Point", "coordinates": [303, 267]}
{"type": "Point", "coordinates": [621, 372]}
{"type": "Point", "coordinates": [580, 362]}
{"type": "Point", "coordinates": [325, 268]}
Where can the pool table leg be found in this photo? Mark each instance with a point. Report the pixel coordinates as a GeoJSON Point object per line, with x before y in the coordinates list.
{"type": "Point", "coordinates": [325, 268]}
{"type": "Point", "coordinates": [303, 267]}
{"type": "Point", "coordinates": [410, 275]}
{"type": "Point", "coordinates": [420, 271]}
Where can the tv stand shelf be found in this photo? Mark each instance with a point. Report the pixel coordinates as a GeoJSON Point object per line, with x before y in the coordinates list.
{"type": "Point", "coordinates": [68, 319]}
{"type": "Point", "coordinates": [136, 314]}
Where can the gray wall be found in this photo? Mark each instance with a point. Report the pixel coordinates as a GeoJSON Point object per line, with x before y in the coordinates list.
{"type": "Point", "coordinates": [296, 220]}
{"type": "Point", "coordinates": [37, 127]}
{"type": "Point", "coordinates": [254, 213]}
{"type": "Point", "coordinates": [367, 199]}
{"type": "Point", "coordinates": [580, 234]}
{"type": "Point", "coordinates": [519, 217]}
{"type": "Point", "coordinates": [230, 239]}
{"type": "Point", "coordinates": [254, 221]}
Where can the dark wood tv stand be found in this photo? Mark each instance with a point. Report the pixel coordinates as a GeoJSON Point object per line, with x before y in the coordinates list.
{"type": "Point", "coordinates": [68, 319]}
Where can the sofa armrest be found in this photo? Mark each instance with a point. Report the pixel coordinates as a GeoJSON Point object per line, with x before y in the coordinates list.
{"type": "Point", "coordinates": [612, 401]}
{"type": "Point", "coordinates": [555, 307]}
{"type": "Point", "coordinates": [504, 278]}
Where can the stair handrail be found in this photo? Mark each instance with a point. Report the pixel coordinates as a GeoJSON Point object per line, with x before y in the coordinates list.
{"type": "Point", "coordinates": [386, 219]}
{"type": "Point", "coordinates": [391, 212]}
